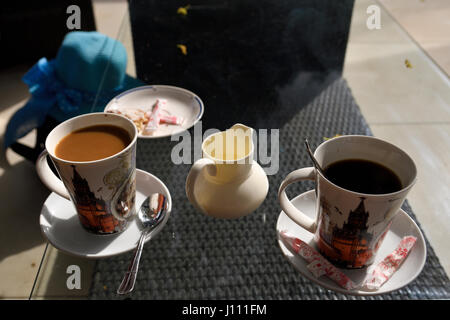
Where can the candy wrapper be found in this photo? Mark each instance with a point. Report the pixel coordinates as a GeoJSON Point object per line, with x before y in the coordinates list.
{"type": "Point", "coordinates": [148, 120]}
{"type": "Point", "coordinates": [318, 265]}
{"type": "Point", "coordinates": [153, 117]}
{"type": "Point", "coordinates": [384, 270]}
{"type": "Point", "coordinates": [170, 119]}
{"type": "Point", "coordinates": [316, 268]}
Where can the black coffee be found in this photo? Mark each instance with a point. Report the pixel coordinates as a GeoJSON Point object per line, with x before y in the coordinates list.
{"type": "Point", "coordinates": [363, 176]}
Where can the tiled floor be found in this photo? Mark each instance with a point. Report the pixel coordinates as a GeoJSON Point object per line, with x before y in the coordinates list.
{"type": "Point", "coordinates": [408, 106]}
{"type": "Point", "coordinates": [428, 24]}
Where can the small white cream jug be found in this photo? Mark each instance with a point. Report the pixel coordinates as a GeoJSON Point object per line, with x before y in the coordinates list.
{"type": "Point", "coordinates": [227, 182]}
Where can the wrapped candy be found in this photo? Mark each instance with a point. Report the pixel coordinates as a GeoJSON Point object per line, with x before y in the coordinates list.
{"type": "Point", "coordinates": [316, 268]}
{"type": "Point", "coordinates": [169, 119]}
{"type": "Point", "coordinates": [153, 117]}
{"type": "Point", "coordinates": [318, 265]}
{"type": "Point", "coordinates": [386, 268]}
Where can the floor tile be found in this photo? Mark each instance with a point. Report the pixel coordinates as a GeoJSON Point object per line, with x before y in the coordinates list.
{"type": "Point", "coordinates": [108, 16]}
{"type": "Point", "coordinates": [389, 92]}
{"type": "Point", "coordinates": [428, 23]}
{"type": "Point", "coordinates": [61, 283]}
{"type": "Point", "coordinates": [390, 32]}
{"type": "Point", "coordinates": [429, 146]}
{"type": "Point", "coordinates": [19, 270]}
{"type": "Point", "coordinates": [111, 19]}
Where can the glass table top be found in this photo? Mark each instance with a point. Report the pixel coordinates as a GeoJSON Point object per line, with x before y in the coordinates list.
{"type": "Point", "coordinates": [261, 63]}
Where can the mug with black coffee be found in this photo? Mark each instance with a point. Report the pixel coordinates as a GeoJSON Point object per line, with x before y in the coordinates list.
{"type": "Point", "coordinates": [95, 156]}
{"type": "Point", "coordinates": [363, 186]}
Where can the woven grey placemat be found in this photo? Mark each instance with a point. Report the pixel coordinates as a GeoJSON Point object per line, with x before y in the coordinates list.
{"type": "Point", "coordinates": [198, 257]}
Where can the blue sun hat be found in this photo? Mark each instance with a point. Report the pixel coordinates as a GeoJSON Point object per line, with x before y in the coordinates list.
{"type": "Point", "coordinates": [70, 84]}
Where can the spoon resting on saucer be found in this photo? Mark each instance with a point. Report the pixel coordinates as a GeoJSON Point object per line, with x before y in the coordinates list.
{"type": "Point", "coordinates": [151, 213]}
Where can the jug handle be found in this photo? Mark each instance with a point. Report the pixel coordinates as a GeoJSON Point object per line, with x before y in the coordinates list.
{"type": "Point", "coordinates": [195, 171]}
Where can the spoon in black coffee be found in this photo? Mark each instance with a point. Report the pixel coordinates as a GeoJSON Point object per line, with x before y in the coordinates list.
{"type": "Point", "coordinates": [316, 163]}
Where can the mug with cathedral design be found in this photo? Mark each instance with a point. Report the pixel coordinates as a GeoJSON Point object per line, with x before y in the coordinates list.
{"type": "Point", "coordinates": [95, 156]}
{"type": "Point", "coordinates": [363, 185]}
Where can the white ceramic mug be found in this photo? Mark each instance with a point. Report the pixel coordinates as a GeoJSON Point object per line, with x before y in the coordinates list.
{"type": "Point", "coordinates": [102, 191]}
{"type": "Point", "coordinates": [350, 226]}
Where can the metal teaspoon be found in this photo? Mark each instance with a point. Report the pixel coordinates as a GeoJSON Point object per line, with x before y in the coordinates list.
{"type": "Point", "coordinates": [316, 163]}
{"type": "Point", "coordinates": [151, 213]}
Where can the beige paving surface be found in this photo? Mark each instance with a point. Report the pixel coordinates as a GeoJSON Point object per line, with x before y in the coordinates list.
{"type": "Point", "coordinates": [54, 284]}
{"type": "Point", "coordinates": [430, 197]}
{"type": "Point", "coordinates": [111, 19]}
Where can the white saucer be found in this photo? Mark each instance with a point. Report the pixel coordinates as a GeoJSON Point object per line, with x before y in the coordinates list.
{"type": "Point", "coordinates": [402, 226]}
{"type": "Point", "coordinates": [180, 102]}
{"type": "Point", "coordinates": [61, 226]}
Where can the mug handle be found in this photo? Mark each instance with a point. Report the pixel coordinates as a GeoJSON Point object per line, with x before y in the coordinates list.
{"type": "Point", "coordinates": [298, 216]}
{"type": "Point", "coordinates": [48, 177]}
{"type": "Point", "coordinates": [193, 174]}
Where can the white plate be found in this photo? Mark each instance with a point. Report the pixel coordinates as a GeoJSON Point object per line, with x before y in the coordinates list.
{"type": "Point", "coordinates": [61, 226]}
{"type": "Point", "coordinates": [402, 226]}
{"type": "Point", "coordinates": [180, 102]}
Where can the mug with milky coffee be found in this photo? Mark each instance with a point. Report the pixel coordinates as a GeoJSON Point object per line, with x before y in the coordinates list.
{"type": "Point", "coordinates": [95, 156]}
